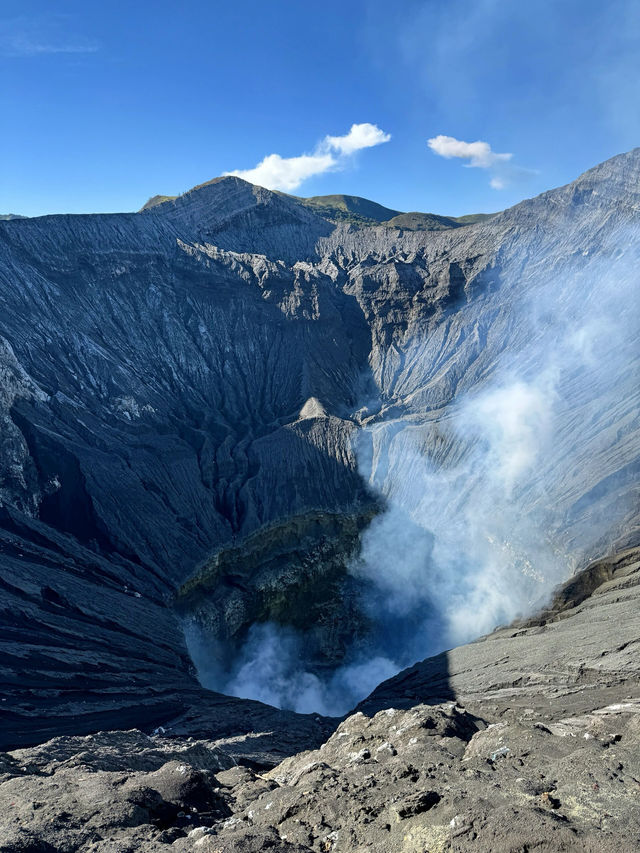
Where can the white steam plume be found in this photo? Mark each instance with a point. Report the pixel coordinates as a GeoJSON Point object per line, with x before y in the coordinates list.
{"type": "Point", "coordinates": [521, 445]}
{"type": "Point", "coordinates": [481, 520]}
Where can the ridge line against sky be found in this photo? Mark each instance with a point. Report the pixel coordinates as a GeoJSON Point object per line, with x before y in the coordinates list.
{"type": "Point", "coordinates": [101, 112]}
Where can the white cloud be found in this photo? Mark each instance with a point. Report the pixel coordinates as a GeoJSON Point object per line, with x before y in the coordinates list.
{"type": "Point", "coordinates": [285, 173]}
{"type": "Point", "coordinates": [360, 136]}
{"type": "Point", "coordinates": [332, 153]}
{"type": "Point", "coordinates": [479, 155]}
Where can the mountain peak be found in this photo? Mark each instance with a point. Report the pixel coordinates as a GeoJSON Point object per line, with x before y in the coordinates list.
{"type": "Point", "coordinates": [242, 217]}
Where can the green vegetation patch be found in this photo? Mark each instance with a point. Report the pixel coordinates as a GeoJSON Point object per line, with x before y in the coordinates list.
{"type": "Point", "coordinates": [155, 200]}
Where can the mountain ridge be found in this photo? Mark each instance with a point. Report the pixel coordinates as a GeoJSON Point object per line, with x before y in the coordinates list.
{"type": "Point", "coordinates": [353, 209]}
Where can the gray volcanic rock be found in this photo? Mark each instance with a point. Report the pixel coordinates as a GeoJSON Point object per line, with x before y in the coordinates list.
{"type": "Point", "coordinates": [543, 760]}
{"type": "Point", "coordinates": [177, 383]}
{"type": "Point", "coordinates": [241, 217]}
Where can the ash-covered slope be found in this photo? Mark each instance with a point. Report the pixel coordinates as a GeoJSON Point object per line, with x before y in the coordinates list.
{"type": "Point", "coordinates": [180, 390]}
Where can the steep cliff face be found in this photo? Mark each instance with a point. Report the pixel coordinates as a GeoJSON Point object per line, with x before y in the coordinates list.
{"type": "Point", "coordinates": [175, 381]}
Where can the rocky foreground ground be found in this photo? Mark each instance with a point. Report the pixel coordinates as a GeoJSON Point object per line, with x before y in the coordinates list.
{"type": "Point", "coordinates": [526, 740]}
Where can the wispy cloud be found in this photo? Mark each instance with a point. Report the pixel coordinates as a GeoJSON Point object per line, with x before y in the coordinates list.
{"type": "Point", "coordinates": [331, 153]}
{"type": "Point", "coordinates": [24, 38]}
{"type": "Point", "coordinates": [480, 155]}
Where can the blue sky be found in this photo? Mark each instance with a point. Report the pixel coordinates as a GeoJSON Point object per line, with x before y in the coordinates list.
{"type": "Point", "coordinates": [105, 104]}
